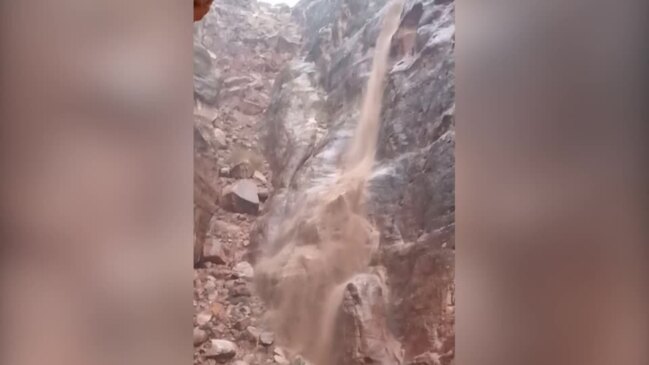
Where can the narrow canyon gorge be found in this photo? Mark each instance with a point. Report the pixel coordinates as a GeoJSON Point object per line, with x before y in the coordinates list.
{"type": "Point", "coordinates": [324, 184]}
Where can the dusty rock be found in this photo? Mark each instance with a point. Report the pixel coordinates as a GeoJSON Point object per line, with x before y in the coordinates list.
{"type": "Point", "coordinates": [221, 350]}
{"type": "Point", "coordinates": [247, 158]}
{"type": "Point", "coordinates": [280, 356]}
{"type": "Point", "coordinates": [203, 318]}
{"type": "Point", "coordinates": [365, 335]}
{"type": "Point", "coordinates": [210, 285]}
{"type": "Point", "coordinates": [257, 175]}
{"type": "Point", "coordinates": [200, 336]}
{"type": "Point", "coordinates": [220, 138]}
{"type": "Point", "coordinates": [263, 194]}
{"type": "Point", "coordinates": [253, 333]}
{"type": "Point", "coordinates": [224, 171]}
{"type": "Point", "coordinates": [241, 197]}
{"type": "Point", "coordinates": [242, 170]}
{"type": "Point", "coordinates": [240, 290]}
{"type": "Point", "coordinates": [214, 252]}
{"type": "Point", "coordinates": [244, 270]}
{"type": "Point", "coordinates": [267, 338]}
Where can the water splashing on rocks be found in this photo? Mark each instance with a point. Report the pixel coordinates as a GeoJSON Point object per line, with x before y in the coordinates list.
{"type": "Point", "coordinates": [304, 276]}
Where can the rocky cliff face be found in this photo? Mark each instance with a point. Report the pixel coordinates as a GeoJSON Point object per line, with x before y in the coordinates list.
{"type": "Point", "coordinates": [312, 114]}
{"type": "Point", "coordinates": [289, 83]}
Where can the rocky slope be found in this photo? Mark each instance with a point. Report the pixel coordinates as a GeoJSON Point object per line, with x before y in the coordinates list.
{"type": "Point", "coordinates": [289, 82]}
{"type": "Point", "coordinates": [239, 47]}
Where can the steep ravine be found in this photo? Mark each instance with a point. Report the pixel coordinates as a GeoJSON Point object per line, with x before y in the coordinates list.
{"type": "Point", "coordinates": [279, 94]}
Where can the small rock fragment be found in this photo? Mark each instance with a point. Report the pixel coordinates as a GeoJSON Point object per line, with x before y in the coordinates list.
{"type": "Point", "coordinates": [267, 338]}
{"type": "Point", "coordinates": [203, 318]}
{"type": "Point", "coordinates": [244, 270]}
{"type": "Point", "coordinates": [210, 285]}
{"type": "Point", "coordinates": [213, 252]}
{"type": "Point", "coordinates": [280, 357]}
{"type": "Point", "coordinates": [224, 171]}
{"type": "Point", "coordinates": [263, 194]}
{"type": "Point", "coordinates": [242, 170]}
{"type": "Point", "coordinates": [221, 350]}
{"type": "Point", "coordinates": [217, 309]}
{"type": "Point", "coordinates": [260, 177]}
{"type": "Point", "coordinates": [200, 336]}
{"type": "Point", "coordinates": [219, 139]}
{"type": "Point", "coordinates": [240, 290]}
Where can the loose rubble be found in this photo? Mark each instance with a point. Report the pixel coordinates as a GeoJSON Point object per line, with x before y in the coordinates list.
{"type": "Point", "coordinates": [241, 45]}
{"type": "Point", "coordinates": [221, 350]}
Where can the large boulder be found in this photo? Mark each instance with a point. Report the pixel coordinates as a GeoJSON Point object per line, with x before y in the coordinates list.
{"type": "Point", "coordinates": [241, 197]}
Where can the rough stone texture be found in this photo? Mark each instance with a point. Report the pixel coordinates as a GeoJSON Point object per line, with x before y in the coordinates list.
{"type": "Point", "coordinates": [364, 336]}
{"type": "Point", "coordinates": [421, 280]}
{"type": "Point", "coordinates": [214, 251]}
